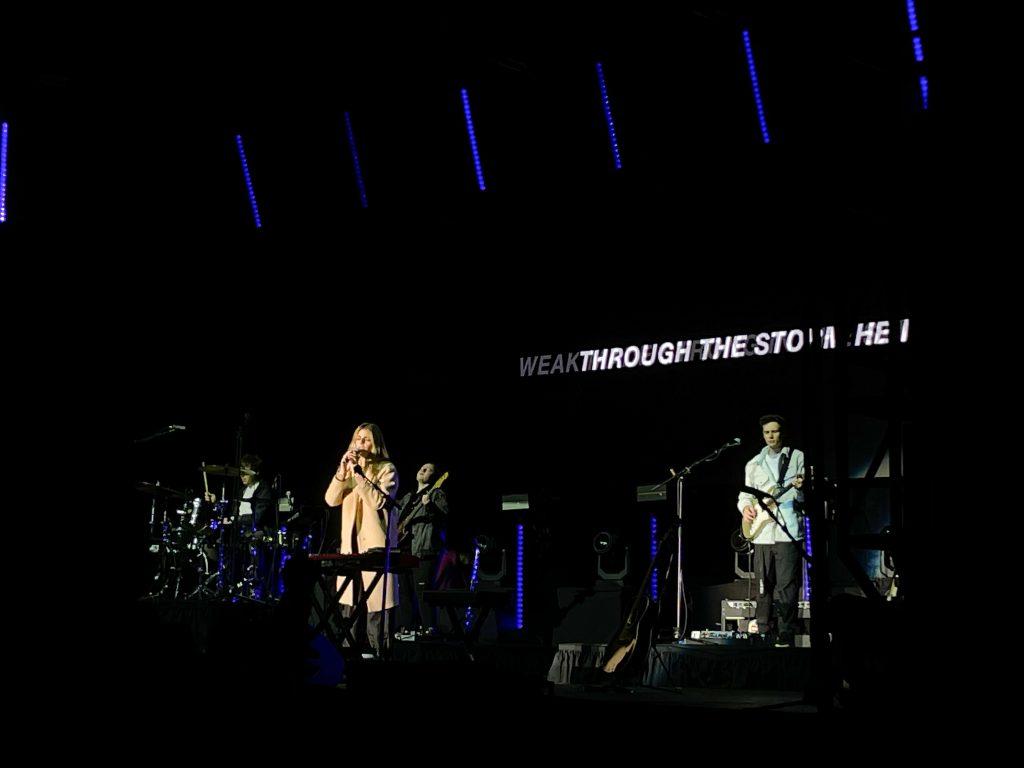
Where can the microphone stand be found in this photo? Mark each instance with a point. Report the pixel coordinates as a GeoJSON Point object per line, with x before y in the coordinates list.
{"type": "Point", "coordinates": [679, 630]}
{"type": "Point", "coordinates": [155, 435]}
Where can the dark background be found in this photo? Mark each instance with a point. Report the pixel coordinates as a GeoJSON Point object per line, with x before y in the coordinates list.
{"type": "Point", "coordinates": [414, 313]}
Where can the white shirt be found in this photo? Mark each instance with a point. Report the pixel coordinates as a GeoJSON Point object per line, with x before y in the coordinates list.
{"type": "Point", "coordinates": [762, 472]}
{"type": "Point", "coordinates": [245, 508]}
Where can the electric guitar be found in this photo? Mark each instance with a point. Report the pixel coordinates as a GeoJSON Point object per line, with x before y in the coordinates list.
{"type": "Point", "coordinates": [404, 534]}
{"type": "Point", "coordinates": [765, 514]}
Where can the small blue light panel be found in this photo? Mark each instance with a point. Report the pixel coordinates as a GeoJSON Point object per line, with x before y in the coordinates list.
{"type": "Point", "coordinates": [519, 576]}
{"type": "Point", "coordinates": [810, 554]}
{"type": "Point", "coordinates": [355, 160]}
{"type": "Point", "coordinates": [756, 87]}
{"type": "Point", "coordinates": [476, 569]}
{"type": "Point", "coordinates": [654, 553]}
{"type": "Point", "coordinates": [606, 104]}
{"type": "Point", "coordinates": [915, 29]}
{"type": "Point", "coordinates": [248, 182]}
{"type": "Point", "coordinates": [467, 622]}
{"type": "Point", "coordinates": [912, 16]}
{"type": "Point", "coordinates": [3, 172]}
{"type": "Point", "coordinates": [472, 141]}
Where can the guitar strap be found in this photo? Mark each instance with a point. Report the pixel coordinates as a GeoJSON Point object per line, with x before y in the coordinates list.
{"type": "Point", "coordinates": [784, 467]}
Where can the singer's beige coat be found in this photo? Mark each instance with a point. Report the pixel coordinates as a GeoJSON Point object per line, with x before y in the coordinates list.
{"type": "Point", "coordinates": [376, 519]}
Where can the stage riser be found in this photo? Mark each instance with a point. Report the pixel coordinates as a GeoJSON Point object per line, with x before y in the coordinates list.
{"type": "Point", "coordinates": [711, 666]}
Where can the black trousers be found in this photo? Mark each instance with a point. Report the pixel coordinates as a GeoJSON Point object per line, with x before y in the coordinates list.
{"type": "Point", "coordinates": [412, 585]}
{"type": "Point", "coordinates": [372, 629]}
{"type": "Point", "coordinates": [778, 565]}
{"type": "Point", "coordinates": [367, 628]}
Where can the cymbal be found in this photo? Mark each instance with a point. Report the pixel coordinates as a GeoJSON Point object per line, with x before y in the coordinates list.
{"type": "Point", "coordinates": [161, 491]}
{"type": "Point", "coordinates": [224, 470]}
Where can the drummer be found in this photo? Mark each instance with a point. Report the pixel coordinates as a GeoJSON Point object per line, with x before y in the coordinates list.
{"type": "Point", "coordinates": [257, 509]}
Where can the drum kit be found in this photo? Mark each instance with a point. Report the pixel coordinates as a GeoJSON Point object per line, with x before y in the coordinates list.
{"type": "Point", "coordinates": [202, 549]}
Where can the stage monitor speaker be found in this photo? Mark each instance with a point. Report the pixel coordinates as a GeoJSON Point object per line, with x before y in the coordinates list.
{"type": "Point", "coordinates": [588, 614]}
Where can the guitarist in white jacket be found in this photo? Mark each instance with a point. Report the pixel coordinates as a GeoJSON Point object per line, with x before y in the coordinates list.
{"type": "Point", "coordinates": [778, 471]}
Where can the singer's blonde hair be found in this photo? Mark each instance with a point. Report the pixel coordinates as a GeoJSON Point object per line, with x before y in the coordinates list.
{"type": "Point", "coordinates": [380, 450]}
